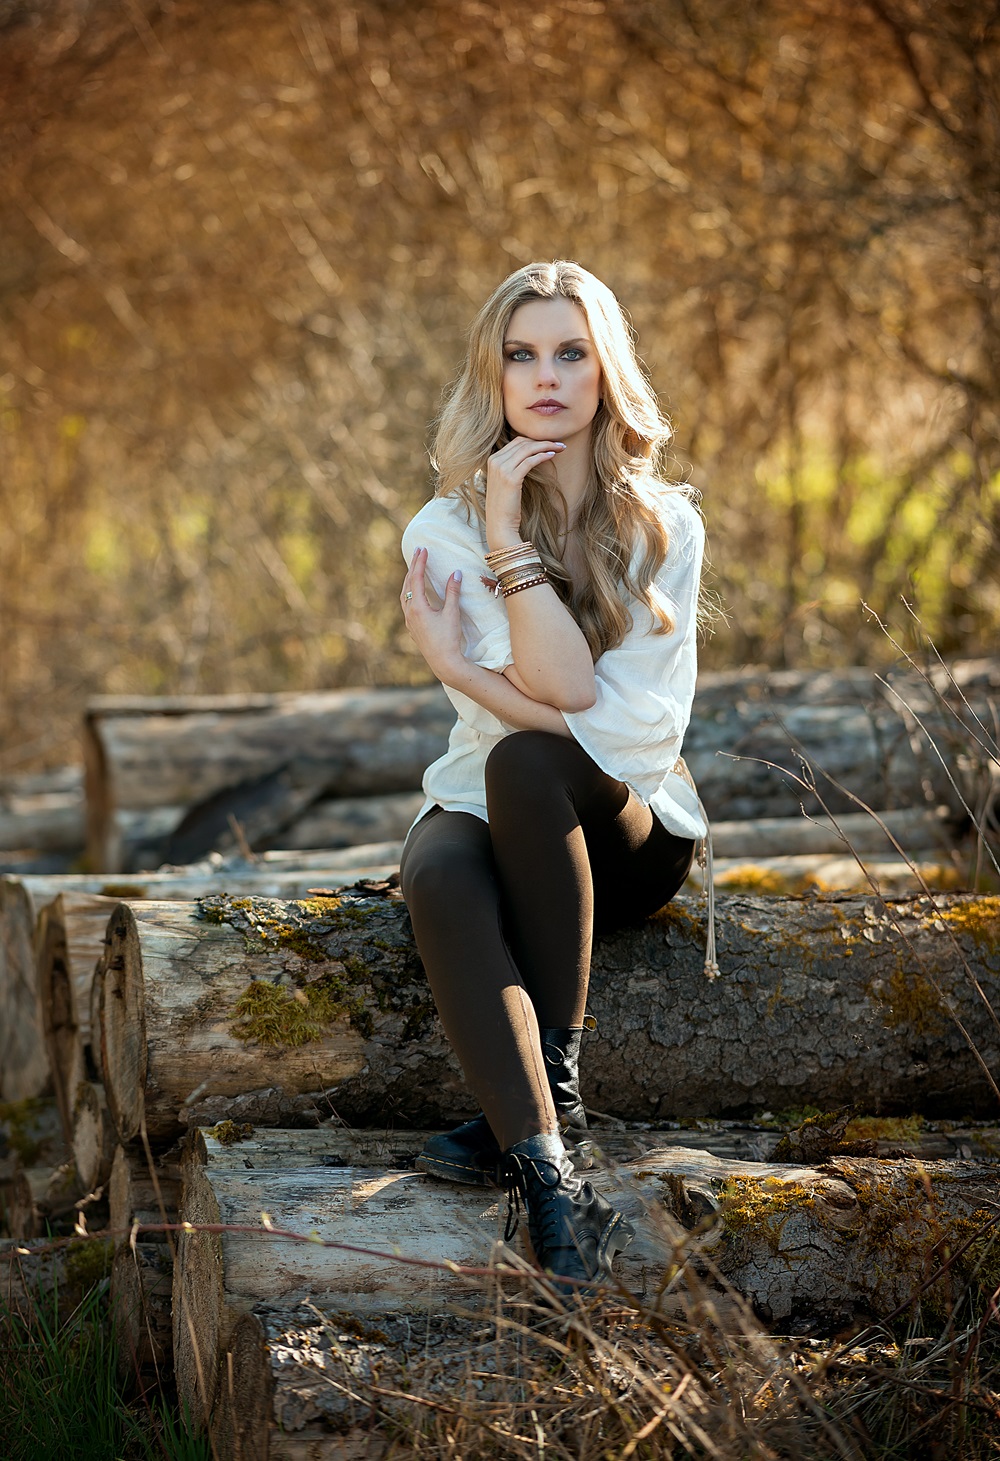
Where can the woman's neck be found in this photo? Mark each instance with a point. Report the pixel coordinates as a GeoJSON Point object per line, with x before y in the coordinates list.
{"type": "Point", "coordinates": [572, 470]}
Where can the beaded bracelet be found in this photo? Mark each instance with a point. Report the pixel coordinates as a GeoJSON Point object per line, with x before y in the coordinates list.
{"type": "Point", "coordinates": [527, 583]}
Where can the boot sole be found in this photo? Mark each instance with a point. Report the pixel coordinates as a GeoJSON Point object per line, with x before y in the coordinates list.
{"type": "Point", "coordinates": [452, 1171]}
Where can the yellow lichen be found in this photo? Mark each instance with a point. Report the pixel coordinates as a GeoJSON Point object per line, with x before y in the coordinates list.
{"type": "Point", "coordinates": [754, 1208]}
{"type": "Point", "coordinates": [978, 917]}
{"type": "Point", "coordinates": [908, 999]}
{"type": "Point", "coordinates": [884, 1128]}
{"type": "Point", "coordinates": [228, 1133]}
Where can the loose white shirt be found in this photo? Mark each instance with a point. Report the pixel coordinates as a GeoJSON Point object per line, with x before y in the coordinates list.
{"type": "Point", "coordinates": [645, 685]}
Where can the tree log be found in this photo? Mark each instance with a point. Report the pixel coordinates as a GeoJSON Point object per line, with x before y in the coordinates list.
{"type": "Point", "coordinates": [138, 1195]}
{"type": "Point", "coordinates": [825, 1001]}
{"type": "Point", "coordinates": [916, 830]}
{"type": "Point", "coordinates": [850, 724]}
{"type": "Point", "coordinates": [69, 940]}
{"type": "Point", "coordinates": [142, 1274]}
{"type": "Point", "coordinates": [340, 743]}
{"type": "Point", "coordinates": [797, 1241]}
{"type": "Point", "coordinates": [51, 822]}
{"type": "Point", "coordinates": [141, 1287]}
{"type": "Point", "coordinates": [93, 1137]}
{"type": "Point", "coordinates": [893, 877]}
{"type": "Point", "coordinates": [147, 753]}
{"type": "Point", "coordinates": [273, 875]}
{"type": "Point", "coordinates": [344, 822]}
{"type": "Point", "coordinates": [24, 1062]}
{"type": "Point", "coordinates": [858, 1235]}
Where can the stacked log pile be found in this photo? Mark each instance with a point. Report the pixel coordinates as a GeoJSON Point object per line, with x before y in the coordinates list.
{"type": "Point", "coordinates": [254, 1013]}
{"type": "Point", "coordinates": [206, 1030]}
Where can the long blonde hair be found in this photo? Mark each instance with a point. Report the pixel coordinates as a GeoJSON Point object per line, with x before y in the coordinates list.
{"type": "Point", "coordinates": [618, 521]}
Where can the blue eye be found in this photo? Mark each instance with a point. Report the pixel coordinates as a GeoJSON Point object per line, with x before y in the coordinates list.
{"type": "Point", "coordinates": [573, 353]}
{"type": "Point", "coordinates": [519, 355]}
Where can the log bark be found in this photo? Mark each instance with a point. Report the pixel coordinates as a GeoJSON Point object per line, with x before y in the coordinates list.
{"type": "Point", "coordinates": [849, 723]}
{"type": "Point", "coordinates": [339, 743]}
{"type": "Point", "coordinates": [824, 1001]}
{"type": "Point", "coordinates": [24, 1062]}
{"type": "Point", "coordinates": [858, 1235]}
{"type": "Point", "coordinates": [799, 1242]}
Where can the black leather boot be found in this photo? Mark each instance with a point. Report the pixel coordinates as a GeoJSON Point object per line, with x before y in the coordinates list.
{"type": "Point", "coordinates": [561, 1050]}
{"type": "Point", "coordinates": [574, 1231]}
{"type": "Point", "coordinates": [471, 1152]}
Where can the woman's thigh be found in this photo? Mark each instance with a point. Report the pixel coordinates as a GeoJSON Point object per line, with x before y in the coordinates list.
{"type": "Point", "coordinates": [636, 864]}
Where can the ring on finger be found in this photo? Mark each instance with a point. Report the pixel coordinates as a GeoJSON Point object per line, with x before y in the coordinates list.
{"type": "Point", "coordinates": [408, 596]}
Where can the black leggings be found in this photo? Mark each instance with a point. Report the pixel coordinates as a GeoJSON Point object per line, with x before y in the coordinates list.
{"type": "Point", "coordinates": [503, 913]}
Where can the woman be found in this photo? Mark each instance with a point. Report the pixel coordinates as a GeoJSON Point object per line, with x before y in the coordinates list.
{"type": "Point", "coordinates": [552, 589]}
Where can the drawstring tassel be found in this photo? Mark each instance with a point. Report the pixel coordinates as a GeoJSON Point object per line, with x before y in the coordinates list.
{"type": "Point", "coordinates": [707, 863]}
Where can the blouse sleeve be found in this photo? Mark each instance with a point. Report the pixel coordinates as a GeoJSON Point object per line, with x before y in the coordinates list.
{"type": "Point", "coordinates": [645, 686]}
{"type": "Point", "coordinates": [452, 541]}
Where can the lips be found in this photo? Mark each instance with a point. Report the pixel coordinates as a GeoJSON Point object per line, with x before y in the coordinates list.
{"type": "Point", "coordinates": [547, 408]}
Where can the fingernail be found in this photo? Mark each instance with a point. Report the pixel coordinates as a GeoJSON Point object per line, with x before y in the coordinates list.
{"type": "Point", "coordinates": [457, 575]}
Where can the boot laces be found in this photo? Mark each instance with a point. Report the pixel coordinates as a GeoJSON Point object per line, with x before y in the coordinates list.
{"type": "Point", "coordinates": [544, 1214]}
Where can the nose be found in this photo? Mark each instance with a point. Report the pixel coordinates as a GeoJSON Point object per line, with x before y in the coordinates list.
{"type": "Point", "coordinates": [548, 373]}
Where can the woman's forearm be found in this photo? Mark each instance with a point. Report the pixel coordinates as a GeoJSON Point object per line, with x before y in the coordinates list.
{"type": "Point", "coordinates": [551, 655]}
{"type": "Point", "coordinates": [495, 693]}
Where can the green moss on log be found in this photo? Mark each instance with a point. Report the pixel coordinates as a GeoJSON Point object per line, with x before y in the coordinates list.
{"type": "Point", "coordinates": [88, 1262]}
{"type": "Point", "coordinates": [20, 1122]}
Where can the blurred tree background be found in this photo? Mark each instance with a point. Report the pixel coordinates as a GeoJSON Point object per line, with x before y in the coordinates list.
{"type": "Point", "coordinates": [242, 241]}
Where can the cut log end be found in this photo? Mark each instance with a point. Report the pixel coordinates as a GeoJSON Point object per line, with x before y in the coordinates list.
{"type": "Point", "coordinates": [123, 1024]}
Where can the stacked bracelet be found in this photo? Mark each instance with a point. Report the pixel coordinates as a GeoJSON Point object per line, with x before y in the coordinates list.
{"type": "Point", "coordinates": [525, 583]}
{"type": "Point", "coordinates": [516, 568]}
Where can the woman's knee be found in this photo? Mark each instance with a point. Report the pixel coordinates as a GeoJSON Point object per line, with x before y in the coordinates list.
{"type": "Point", "coordinates": [447, 873]}
{"type": "Point", "coordinates": [528, 759]}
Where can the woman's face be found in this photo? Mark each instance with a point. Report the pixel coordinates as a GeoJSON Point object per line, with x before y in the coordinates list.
{"type": "Point", "coordinates": [551, 373]}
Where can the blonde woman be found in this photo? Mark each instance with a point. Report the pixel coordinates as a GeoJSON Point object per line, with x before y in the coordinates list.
{"type": "Point", "coordinates": [552, 589]}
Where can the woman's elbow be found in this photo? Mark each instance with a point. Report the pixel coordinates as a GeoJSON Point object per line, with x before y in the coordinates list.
{"type": "Point", "coordinates": [580, 697]}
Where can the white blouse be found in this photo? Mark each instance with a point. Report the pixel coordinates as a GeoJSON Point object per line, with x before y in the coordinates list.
{"type": "Point", "coordinates": [645, 686]}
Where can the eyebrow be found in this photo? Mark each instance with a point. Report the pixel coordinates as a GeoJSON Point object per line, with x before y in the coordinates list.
{"type": "Point", "coordinates": [528, 344]}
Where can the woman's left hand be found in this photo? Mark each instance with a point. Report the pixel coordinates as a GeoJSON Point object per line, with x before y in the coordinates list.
{"type": "Point", "coordinates": [435, 627]}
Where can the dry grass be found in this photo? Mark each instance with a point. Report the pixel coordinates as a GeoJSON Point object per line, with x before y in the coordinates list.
{"type": "Point", "coordinates": [699, 1378]}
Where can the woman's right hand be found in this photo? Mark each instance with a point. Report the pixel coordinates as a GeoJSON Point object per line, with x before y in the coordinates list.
{"type": "Point", "coordinates": [435, 627]}
{"type": "Point", "coordinates": [505, 474]}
